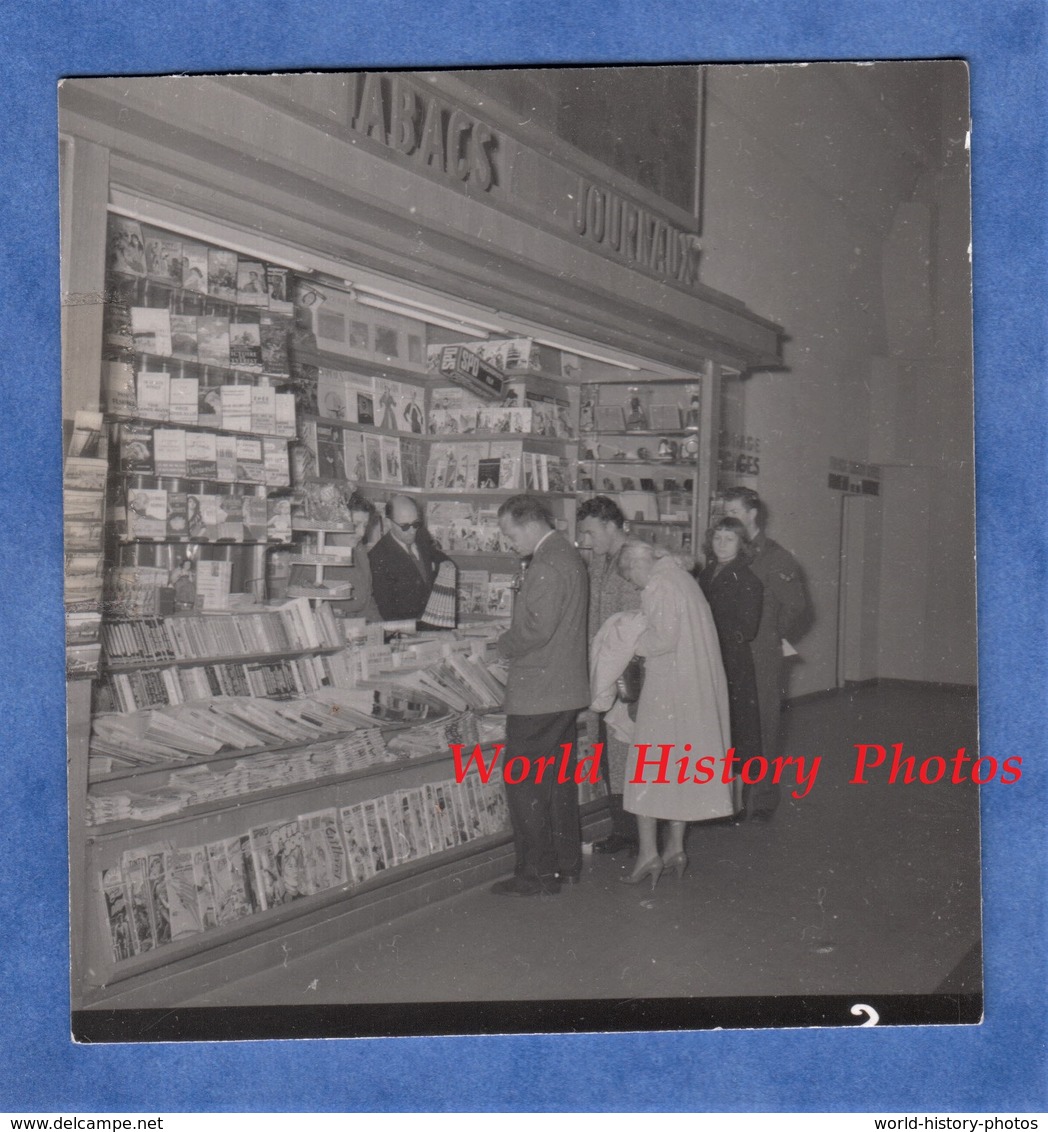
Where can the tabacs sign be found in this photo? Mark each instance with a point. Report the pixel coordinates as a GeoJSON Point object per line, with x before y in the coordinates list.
{"type": "Point", "coordinates": [434, 135]}
{"type": "Point", "coordinates": [464, 368]}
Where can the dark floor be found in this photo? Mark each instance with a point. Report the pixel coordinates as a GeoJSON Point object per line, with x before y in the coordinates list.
{"type": "Point", "coordinates": [855, 888]}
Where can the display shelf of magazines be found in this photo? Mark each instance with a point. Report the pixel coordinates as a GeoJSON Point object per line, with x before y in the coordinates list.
{"type": "Point", "coordinates": [640, 445]}
{"type": "Point", "coordinates": [165, 661]}
{"type": "Point", "coordinates": [174, 890]}
{"type": "Point", "coordinates": [173, 296]}
{"type": "Point", "coordinates": [180, 509]}
{"type": "Point", "coordinates": [213, 454]}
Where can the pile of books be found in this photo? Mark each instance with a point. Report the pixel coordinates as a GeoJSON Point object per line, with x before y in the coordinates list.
{"type": "Point", "coordinates": [457, 676]}
{"type": "Point", "coordinates": [187, 732]}
{"type": "Point", "coordinates": [293, 626]}
{"type": "Point", "coordinates": [202, 783]}
{"type": "Point", "coordinates": [158, 687]}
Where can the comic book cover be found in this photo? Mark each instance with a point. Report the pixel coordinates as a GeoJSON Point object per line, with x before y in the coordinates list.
{"type": "Point", "coordinates": [121, 932]}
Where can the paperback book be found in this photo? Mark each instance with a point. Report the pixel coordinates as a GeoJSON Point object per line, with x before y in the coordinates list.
{"type": "Point", "coordinates": [222, 274]}
{"type": "Point", "coordinates": [151, 330]}
{"type": "Point", "coordinates": [251, 284]}
{"type": "Point", "coordinates": [194, 267]}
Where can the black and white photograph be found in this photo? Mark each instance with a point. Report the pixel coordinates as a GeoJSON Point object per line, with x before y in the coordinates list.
{"type": "Point", "coordinates": [656, 707]}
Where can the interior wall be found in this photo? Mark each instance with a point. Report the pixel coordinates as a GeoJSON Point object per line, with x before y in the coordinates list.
{"type": "Point", "coordinates": [835, 203]}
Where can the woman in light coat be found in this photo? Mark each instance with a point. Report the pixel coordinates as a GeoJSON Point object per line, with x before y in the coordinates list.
{"type": "Point", "coordinates": [684, 703]}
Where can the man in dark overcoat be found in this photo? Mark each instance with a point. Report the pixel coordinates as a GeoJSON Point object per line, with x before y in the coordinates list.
{"type": "Point", "coordinates": [784, 617]}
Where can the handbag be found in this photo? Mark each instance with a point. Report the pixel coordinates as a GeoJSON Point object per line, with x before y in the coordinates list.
{"type": "Point", "coordinates": [630, 683]}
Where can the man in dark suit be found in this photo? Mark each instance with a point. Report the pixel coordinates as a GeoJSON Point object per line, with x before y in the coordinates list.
{"type": "Point", "coordinates": [404, 563]}
{"type": "Point", "coordinates": [547, 685]}
{"type": "Point", "coordinates": [784, 617]}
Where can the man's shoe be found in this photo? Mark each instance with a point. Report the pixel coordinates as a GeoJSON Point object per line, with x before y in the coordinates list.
{"type": "Point", "coordinates": [568, 878]}
{"type": "Point", "coordinates": [614, 844]}
{"type": "Point", "coordinates": [525, 886]}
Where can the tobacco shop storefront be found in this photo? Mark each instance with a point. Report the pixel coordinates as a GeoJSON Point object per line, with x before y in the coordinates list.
{"type": "Point", "coordinates": [281, 293]}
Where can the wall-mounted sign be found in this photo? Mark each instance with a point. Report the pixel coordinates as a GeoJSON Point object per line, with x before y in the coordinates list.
{"type": "Point", "coordinates": [853, 477]}
{"type": "Point", "coordinates": [738, 454]}
{"type": "Point", "coordinates": [634, 234]}
{"type": "Point", "coordinates": [441, 135]}
{"type": "Point", "coordinates": [446, 131]}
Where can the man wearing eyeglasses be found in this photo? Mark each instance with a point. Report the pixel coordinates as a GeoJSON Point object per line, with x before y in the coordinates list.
{"type": "Point", "coordinates": [404, 563]}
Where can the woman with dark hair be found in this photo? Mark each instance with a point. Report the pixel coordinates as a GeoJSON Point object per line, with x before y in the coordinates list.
{"type": "Point", "coordinates": [360, 603]}
{"type": "Point", "coordinates": [735, 595]}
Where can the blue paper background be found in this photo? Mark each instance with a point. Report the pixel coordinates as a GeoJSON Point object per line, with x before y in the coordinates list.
{"type": "Point", "coordinates": [997, 1066]}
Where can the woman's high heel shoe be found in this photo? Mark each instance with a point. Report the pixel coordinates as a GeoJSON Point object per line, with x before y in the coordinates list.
{"type": "Point", "coordinates": [652, 868]}
{"type": "Point", "coordinates": [678, 863]}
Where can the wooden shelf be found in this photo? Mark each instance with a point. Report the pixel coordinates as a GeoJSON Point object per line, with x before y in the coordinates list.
{"type": "Point", "coordinates": [323, 525]}
{"type": "Point", "coordinates": [374, 430]}
{"type": "Point", "coordinates": [160, 422]}
{"type": "Point", "coordinates": [641, 432]}
{"type": "Point", "coordinates": [480, 554]}
{"type": "Point", "coordinates": [341, 592]}
{"type": "Point", "coordinates": [150, 770]}
{"type": "Point", "coordinates": [321, 560]}
{"type": "Point", "coordinates": [145, 282]}
{"type": "Point", "coordinates": [527, 437]}
{"type": "Point", "coordinates": [198, 363]}
{"type": "Point", "coordinates": [367, 367]}
{"type": "Point", "coordinates": [600, 462]}
{"type": "Point", "coordinates": [495, 493]}
{"type": "Point", "coordinates": [127, 540]}
{"type": "Point", "coordinates": [244, 658]}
